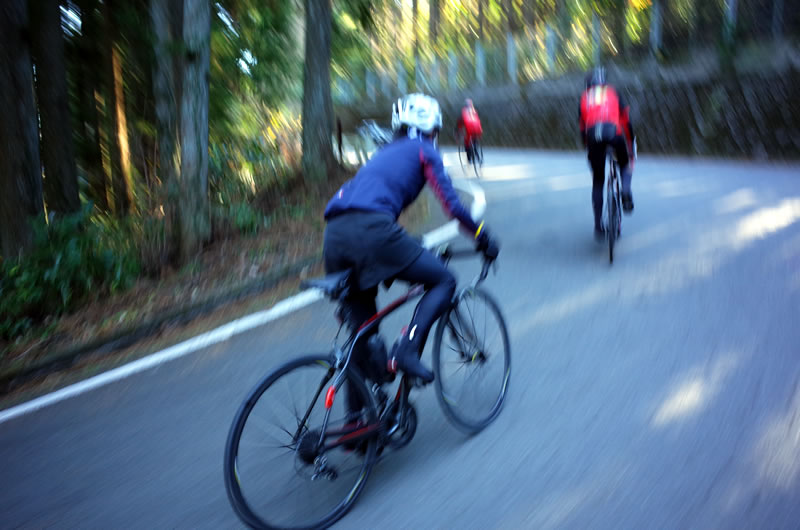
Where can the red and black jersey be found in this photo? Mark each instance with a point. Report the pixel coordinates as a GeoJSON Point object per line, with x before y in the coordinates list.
{"type": "Point", "coordinates": [470, 121]}
{"type": "Point", "coordinates": [601, 104]}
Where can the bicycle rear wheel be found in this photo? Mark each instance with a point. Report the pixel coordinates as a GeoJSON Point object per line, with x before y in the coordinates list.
{"type": "Point", "coordinates": [472, 360]}
{"type": "Point", "coordinates": [612, 208]}
{"type": "Point", "coordinates": [274, 475]}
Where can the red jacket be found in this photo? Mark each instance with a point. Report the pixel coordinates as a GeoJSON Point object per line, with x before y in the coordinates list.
{"type": "Point", "coordinates": [470, 121]}
{"type": "Point", "coordinates": [602, 104]}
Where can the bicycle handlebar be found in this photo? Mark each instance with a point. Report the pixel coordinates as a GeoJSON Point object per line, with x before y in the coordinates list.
{"type": "Point", "coordinates": [446, 254]}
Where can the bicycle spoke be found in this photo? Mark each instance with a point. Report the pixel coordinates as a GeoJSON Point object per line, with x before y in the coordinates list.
{"type": "Point", "coordinates": [472, 394]}
{"type": "Point", "coordinates": [271, 476]}
{"type": "Point", "coordinates": [270, 435]}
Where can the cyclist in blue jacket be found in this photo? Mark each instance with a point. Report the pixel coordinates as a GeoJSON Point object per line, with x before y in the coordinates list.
{"type": "Point", "coordinates": [362, 234]}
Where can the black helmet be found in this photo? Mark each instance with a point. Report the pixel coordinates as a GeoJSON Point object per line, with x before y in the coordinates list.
{"type": "Point", "coordinates": [597, 76]}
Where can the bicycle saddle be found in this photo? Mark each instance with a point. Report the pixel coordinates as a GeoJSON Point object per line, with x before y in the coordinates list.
{"type": "Point", "coordinates": [335, 285]}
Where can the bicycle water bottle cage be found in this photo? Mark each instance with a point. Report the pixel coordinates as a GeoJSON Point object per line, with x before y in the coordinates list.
{"type": "Point", "coordinates": [335, 286]}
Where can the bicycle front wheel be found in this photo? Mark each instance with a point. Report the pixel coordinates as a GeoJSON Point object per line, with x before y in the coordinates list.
{"type": "Point", "coordinates": [276, 476]}
{"type": "Point", "coordinates": [472, 360]}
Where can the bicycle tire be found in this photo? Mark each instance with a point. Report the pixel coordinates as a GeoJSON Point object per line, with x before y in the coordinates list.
{"type": "Point", "coordinates": [233, 484]}
{"type": "Point", "coordinates": [611, 208]}
{"type": "Point", "coordinates": [449, 322]}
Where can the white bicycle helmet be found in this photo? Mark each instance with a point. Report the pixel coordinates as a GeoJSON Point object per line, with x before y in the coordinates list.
{"type": "Point", "coordinates": [418, 111]}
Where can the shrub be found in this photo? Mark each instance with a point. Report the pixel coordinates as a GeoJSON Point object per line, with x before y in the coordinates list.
{"type": "Point", "coordinates": [71, 258]}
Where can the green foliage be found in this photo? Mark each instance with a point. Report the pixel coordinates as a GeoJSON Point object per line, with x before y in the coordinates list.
{"type": "Point", "coordinates": [72, 258]}
{"type": "Point", "coordinates": [241, 217]}
{"type": "Point", "coordinates": [254, 63]}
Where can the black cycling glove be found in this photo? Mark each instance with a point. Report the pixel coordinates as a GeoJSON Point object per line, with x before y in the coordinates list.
{"type": "Point", "coordinates": [487, 245]}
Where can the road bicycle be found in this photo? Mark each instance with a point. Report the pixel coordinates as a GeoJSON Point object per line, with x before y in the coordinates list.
{"type": "Point", "coordinates": [477, 155]}
{"type": "Point", "coordinates": [301, 461]}
{"type": "Point", "coordinates": [613, 202]}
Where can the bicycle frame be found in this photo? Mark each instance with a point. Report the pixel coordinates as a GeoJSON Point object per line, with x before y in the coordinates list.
{"type": "Point", "coordinates": [343, 360]}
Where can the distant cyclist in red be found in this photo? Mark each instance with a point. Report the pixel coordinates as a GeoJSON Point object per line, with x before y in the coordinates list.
{"type": "Point", "coordinates": [471, 123]}
{"type": "Point", "coordinates": [605, 121]}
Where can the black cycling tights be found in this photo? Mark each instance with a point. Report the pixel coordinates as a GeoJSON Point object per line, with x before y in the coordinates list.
{"type": "Point", "coordinates": [439, 283]}
{"type": "Point", "coordinates": [597, 159]}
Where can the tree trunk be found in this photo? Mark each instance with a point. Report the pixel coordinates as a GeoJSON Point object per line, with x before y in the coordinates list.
{"type": "Point", "coordinates": [550, 47]}
{"type": "Point", "coordinates": [730, 22]}
{"type": "Point", "coordinates": [167, 22]}
{"type": "Point", "coordinates": [655, 28]}
{"type": "Point", "coordinates": [402, 85]}
{"type": "Point", "coordinates": [317, 120]}
{"type": "Point", "coordinates": [90, 108]}
{"type": "Point", "coordinates": [480, 63]}
{"type": "Point", "coordinates": [595, 38]}
{"type": "Point", "coordinates": [20, 172]}
{"type": "Point", "coordinates": [512, 23]}
{"type": "Point", "coordinates": [480, 57]}
{"type": "Point", "coordinates": [529, 14]}
{"type": "Point", "coordinates": [777, 20]}
{"type": "Point", "coordinates": [433, 20]}
{"type": "Point", "coordinates": [480, 19]}
{"type": "Point", "coordinates": [418, 78]}
{"type": "Point", "coordinates": [118, 145]}
{"type": "Point", "coordinates": [193, 209]}
{"type": "Point", "coordinates": [58, 155]}
{"type": "Point", "coordinates": [620, 36]}
{"type": "Point", "coordinates": [415, 26]}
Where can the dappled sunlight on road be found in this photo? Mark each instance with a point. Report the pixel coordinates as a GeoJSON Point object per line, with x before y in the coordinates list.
{"type": "Point", "coordinates": [541, 185]}
{"type": "Point", "coordinates": [706, 252]}
{"type": "Point", "coordinates": [507, 172]}
{"type": "Point", "coordinates": [650, 236]}
{"type": "Point", "coordinates": [790, 250]}
{"type": "Point", "coordinates": [774, 459]}
{"type": "Point", "coordinates": [693, 394]}
{"type": "Point", "coordinates": [554, 510]}
{"type": "Point", "coordinates": [735, 201]}
{"type": "Point", "coordinates": [676, 187]}
{"type": "Point", "coordinates": [567, 305]}
{"type": "Point", "coordinates": [777, 453]}
{"type": "Point", "coordinates": [568, 182]}
{"type": "Point", "coordinates": [766, 221]}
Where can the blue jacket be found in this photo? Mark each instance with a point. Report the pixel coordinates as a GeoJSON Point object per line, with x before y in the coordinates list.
{"type": "Point", "coordinates": [393, 179]}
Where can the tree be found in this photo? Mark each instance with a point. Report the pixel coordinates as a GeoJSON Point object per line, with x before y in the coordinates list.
{"type": "Point", "coordinates": [20, 175]}
{"type": "Point", "coordinates": [777, 20]}
{"type": "Point", "coordinates": [167, 22]}
{"type": "Point", "coordinates": [433, 20]}
{"type": "Point", "coordinates": [655, 28]}
{"type": "Point", "coordinates": [415, 29]}
{"type": "Point", "coordinates": [118, 146]}
{"type": "Point", "coordinates": [88, 86]}
{"type": "Point", "coordinates": [193, 208]}
{"type": "Point", "coordinates": [58, 155]}
{"type": "Point", "coordinates": [317, 116]}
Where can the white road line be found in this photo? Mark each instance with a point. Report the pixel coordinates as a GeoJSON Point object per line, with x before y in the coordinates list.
{"type": "Point", "coordinates": [222, 333]}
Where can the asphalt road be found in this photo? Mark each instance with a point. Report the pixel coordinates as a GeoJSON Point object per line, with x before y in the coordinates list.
{"type": "Point", "coordinates": [660, 392]}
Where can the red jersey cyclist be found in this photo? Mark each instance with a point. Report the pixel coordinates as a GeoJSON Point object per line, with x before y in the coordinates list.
{"type": "Point", "coordinates": [470, 122]}
{"type": "Point", "coordinates": [605, 122]}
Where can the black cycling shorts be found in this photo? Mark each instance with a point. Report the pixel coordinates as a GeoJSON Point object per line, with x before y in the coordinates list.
{"type": "Point", "coordinates": [600, 137]}
{"type": "Point", "coordinates": [370, 243]}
